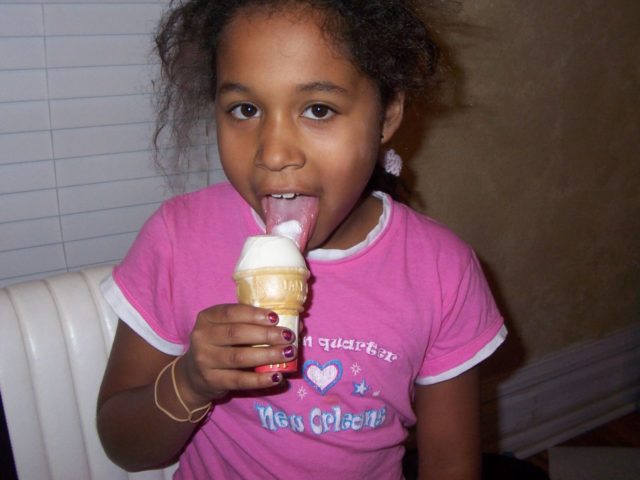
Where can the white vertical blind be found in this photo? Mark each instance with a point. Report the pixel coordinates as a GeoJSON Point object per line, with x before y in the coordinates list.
{"type": "Point", "coordinates": [76, 173]}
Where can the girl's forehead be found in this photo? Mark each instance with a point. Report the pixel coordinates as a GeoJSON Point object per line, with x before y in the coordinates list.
{"type": "Point", "coordinates": [272, 53]}
{"type": "Point", "coordinates": [281, 19]}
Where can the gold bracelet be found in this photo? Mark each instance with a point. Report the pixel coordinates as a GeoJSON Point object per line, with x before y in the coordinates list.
{"type": "Point", "coordinates": [190, 413]}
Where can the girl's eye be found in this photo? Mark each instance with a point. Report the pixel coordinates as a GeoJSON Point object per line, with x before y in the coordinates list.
{"type": "Point", "coordinates": [318, 112]}
{"type": "Point", "coordinates": [244, 111]}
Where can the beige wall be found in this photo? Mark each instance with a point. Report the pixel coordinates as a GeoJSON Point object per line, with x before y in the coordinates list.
{"type": "Point", "coordinates": [538, 166]}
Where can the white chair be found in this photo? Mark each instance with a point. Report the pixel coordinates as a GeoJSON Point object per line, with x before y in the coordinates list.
{"type": "Point", "coordinates": [55, 335]}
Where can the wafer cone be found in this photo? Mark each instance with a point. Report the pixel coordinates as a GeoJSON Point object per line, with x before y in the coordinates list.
{"type": "Point", "coordinates": [280, 289]}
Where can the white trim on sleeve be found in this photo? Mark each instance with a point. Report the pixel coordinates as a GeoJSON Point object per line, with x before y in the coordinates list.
{"type": "Point", "coordinates": [485, 352]}
{"type": "Point", "coordinates": [129, 315]}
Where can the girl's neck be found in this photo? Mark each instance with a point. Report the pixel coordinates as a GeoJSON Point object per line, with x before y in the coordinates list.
{"type": "Point", "coordinates": [355, 228]}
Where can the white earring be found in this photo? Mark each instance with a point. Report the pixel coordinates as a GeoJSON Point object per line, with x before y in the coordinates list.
{"type": "Point", "coordinates": [392, 163]}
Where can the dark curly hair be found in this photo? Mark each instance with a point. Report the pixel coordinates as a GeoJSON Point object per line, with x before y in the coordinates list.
{"type": "Point", "coordinates": [386, 40]}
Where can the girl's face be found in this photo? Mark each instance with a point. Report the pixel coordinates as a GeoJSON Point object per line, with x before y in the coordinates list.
{"type": "Point", "coordinates": [295, 116]}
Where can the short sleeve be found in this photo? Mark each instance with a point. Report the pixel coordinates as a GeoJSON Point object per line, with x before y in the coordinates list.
{"type": "Point", "coordinates": [470, 330]}
{"type": "Point", "coordinates": [140, 288]}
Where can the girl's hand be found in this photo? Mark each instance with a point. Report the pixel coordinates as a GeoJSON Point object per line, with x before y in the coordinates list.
{"type": "Point", "coordinates": [222, 355]}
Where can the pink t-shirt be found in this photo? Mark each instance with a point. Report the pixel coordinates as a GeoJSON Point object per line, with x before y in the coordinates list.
{"type": "Point", "coordinates": [409, 305]}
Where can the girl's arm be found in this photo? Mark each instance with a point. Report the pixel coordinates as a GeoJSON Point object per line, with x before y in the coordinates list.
{"type": "Point", "coordinates": [448, 432]}
{"type": "Point", "coordinates": [135, 433]}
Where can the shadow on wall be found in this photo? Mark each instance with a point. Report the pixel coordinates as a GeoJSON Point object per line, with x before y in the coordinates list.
{"type": "Point", "coordinates": [444, 98]}
{"type": "Point", "coordinates": [448, 99]}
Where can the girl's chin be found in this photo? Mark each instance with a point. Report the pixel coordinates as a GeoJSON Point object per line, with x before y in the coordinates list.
{"type": "Point", "coordinates": [313, 244]}
{"type": "Point", "coordinates": [318, 240]}
{"type": "Point", "coordinates": [328, 241]}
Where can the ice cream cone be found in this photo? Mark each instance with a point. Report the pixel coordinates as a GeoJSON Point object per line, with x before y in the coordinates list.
{"type": "Point", "coordinates": [280, 289]}
{"type": "Point", "coordinates": [271, 273]}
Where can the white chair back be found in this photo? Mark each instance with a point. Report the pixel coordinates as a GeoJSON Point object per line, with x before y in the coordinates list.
{"type": "Point", "coordinates": [55, 337]}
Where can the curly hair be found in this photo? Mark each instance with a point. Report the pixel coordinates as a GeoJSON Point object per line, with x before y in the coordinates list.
{"type": "Point", "coordinates": [385, 39]}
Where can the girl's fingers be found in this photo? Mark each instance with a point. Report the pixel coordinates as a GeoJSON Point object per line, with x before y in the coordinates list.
{"type": "Point", "coordinates": [250, 357]}
{"type": "Point", "coordinates": [228, 341]}
{"type": "Point", "coordinates": [238, 313]}
{"type": "Point", "coordinates": [232, 334]}
{"type": "Point", "coordinates": [229, 368]}
{"type": "Point", "coordinates": [213, 381]}
{"type": "Point", "coordinates": [228, 325]}
{"type": "Point", "coordinates": [239, 380]}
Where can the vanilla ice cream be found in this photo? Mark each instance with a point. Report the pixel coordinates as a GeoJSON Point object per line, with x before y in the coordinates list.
{"type": "Point", "coordinates": [265, 251]}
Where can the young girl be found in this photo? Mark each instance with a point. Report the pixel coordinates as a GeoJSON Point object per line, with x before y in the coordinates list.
{"type": "Point", "coordinates": [305, 93]}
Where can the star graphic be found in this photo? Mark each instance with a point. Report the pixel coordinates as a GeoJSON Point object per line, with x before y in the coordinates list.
{"type": "Point", "coordinates": [356, 369]}
{"type": "Point", "coordinates": [360, 388]}
{"type": "Point", "coordinates": [302, 392]}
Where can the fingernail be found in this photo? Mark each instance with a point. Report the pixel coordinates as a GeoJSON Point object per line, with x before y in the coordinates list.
{"type": "Point", "coordinates": [273, 317]}
{"type": "Point", "coordinates": [276, 378]}
{"type": "Point", "coordinates": [287, 335]}
{"type": "Point", "coordinates": [288, 352]}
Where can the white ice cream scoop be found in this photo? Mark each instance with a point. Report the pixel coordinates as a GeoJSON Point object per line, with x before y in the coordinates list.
{"type": "Point", "coordinates": [264, 251]}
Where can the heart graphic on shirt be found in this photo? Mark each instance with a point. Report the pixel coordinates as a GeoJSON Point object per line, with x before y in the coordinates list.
{"type": "Point", "coordinates": [322, 377]}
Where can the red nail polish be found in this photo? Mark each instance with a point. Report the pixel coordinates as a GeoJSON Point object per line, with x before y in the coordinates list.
{"type": "Point", "coordinates": [288, 352]}
{"type": "Point", "coordinates": [287, 335]}
{"type": "Point", "coordinates": [276, 377]}
{"type": "Point", "coordinates": [273, 317]}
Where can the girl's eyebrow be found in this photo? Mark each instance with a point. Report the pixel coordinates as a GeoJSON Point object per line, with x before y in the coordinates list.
{"type": "Point", "coordinates": [323, 87]}
{"type": "Point", "coordinates": [306, 87]}
{"type": "Point", "coordinates": [232, 87]}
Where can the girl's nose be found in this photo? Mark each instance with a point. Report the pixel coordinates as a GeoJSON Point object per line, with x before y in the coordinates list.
{"type": "Point", "coordinates": [279, 147]}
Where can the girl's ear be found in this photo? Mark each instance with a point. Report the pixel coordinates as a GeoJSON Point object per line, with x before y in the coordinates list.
{"type": "Point", "coordinates": [392, 116]}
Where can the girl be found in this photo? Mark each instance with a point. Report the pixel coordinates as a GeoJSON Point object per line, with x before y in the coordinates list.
{"type": "Point", "coordinates": [304, 94]}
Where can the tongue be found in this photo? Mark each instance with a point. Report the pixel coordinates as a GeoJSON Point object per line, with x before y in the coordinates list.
{"type": "Point", "coordinates": [293, 218]}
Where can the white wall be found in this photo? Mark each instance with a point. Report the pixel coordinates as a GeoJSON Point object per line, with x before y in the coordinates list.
{"type": "Point", "coordinates": [76, 176]}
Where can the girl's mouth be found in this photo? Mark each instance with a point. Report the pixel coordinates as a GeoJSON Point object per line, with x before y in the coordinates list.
{"type": "Point", "coordinates": [291, 215]}
{"type": "Point", "coordinates": [286, 196]}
